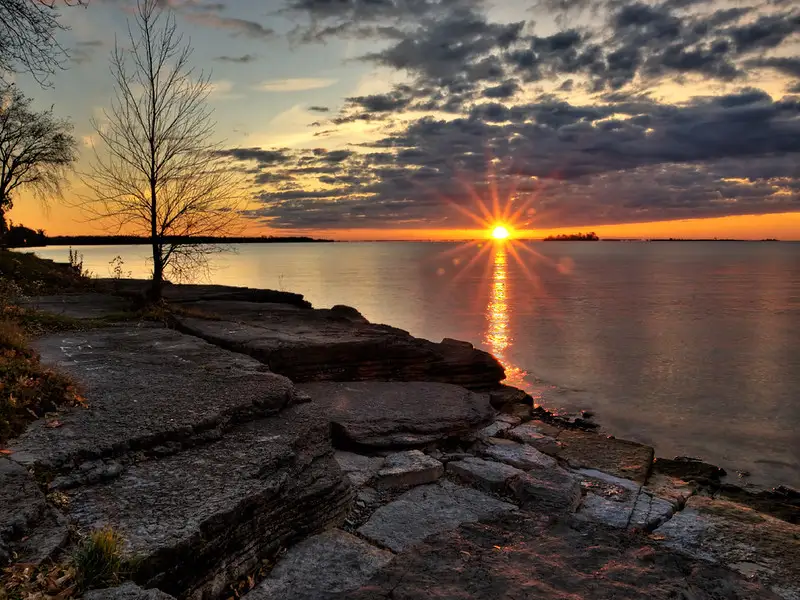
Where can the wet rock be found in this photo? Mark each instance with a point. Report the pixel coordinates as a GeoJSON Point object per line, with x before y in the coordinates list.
{"type": "Point", "coordinates": [536, 557]}
{"type": "Point", "coordinates": [485, 474]}
{"type": "Point", "coordinates": [689, 469]}
{"type": "Point", "coordinates": [670, 488]}
{"type": "Point", "coordinates": [216, 389]}
{"type": "Point", "coordinates": [510, 419]}
{"type": "Point", "coordinates": [392, 415]}
{"type": "Point", "coordinates": [127, 591]}
{"type": "Point", "coordinates": [318, 345]}
{"type": "Point", "coordinates": [359, 468]}
{"type": "Point", "coordinates": [534, 434]}
{"type": "Point", "coordinates": [202, 518]}
{"type": "Point", "coordinates": [617, 457]}
{"type": "Point", "coordinates": [551, 491]}
{"type": "Point", "coordinates": [407, 469]}
{"type": "Point", "coordinates": [523, 412]}
{"type": "Point", "coordinates": [505, 394]}
{"type": "Point", "coordinates": [30, 529]}
{"type": "Point", "coordinates": [764, 548]}
{"type": "Point", "coordinates": [429, 509]}
{"type": "Point", "coordinates": [321, 567]}
{"type": "Point", "coordinates": [521, 456]}
{"type": "Point", "coordinates": [781, 502]}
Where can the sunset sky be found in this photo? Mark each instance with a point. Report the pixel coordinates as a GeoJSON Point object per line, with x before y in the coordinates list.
{"type": "Point", "coordinates": [369, 119]}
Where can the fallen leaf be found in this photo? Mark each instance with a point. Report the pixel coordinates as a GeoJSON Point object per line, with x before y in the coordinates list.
{"type": "Point", "coordinates": [55, 423]}
{"type": "Point", "coordinates": [6, 451]}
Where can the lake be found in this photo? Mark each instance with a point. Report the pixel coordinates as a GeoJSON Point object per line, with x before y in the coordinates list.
{"type": "Point", "coordinates": [692, 347]}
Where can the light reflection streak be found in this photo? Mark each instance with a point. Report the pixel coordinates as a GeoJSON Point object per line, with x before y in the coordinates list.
{"type": "Point", "coordinates": [498, 331]}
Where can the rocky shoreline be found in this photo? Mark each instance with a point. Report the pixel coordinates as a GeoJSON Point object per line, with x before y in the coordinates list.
{"type": "Point", "coordinates": [253, 430]}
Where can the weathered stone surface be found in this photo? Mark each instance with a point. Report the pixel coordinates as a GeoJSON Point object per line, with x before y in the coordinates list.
{"type": "Point", "coordinates": [127, 591]}
{"type": "Point", "coordinates": [529, 557]}
{"type": "Point", "coordinates": [762, 547]}
{"type": "Point", "coordinates": [494, 429]}
{"type": "Point", "coordinates": [485, 474]}
{"type": "Point", "coordinates": [384, 415]}
{"type": "Point", "coordinates": [321, 567]}
{"type": "Point", "coordinates": [407, 469]}
{"type": "Point", "coordinates": [506, 394]}
{"type": "Point", "coordinates": [429, 509]}
{"type": "Point", "coordinates": [548, 491]}
{"type": "Point", "coordinates": [80, 306]}
{"type": "Point", "coordinates": [325, 345]}
{"type": "Point", "coordinates": [202, 518]}
{"type": "Point", "coordinates": [617, 457]}
{"type": "Point", "coordinates": [30, 529]}
{"type": "Point", "coordinates": [521, 456]}
{"type": "Point", "coordinates": [155, 411]}
{"type": "Point", "coordinates": [689, 469]}
{"type": "Point", "coordinates": [533, 434]}
{"type": "Point", "coordinates": [641, 511]}
{"type": "Point", "coordinates": [359, 468]}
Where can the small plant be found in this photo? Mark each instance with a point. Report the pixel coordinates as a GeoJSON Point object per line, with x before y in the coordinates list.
{"type": "Point", "coordinates": [98, 560]}
{"type": "Point", "coordinates": [76, 263]}
{"type": "Point", "coordinates": [115, 266]}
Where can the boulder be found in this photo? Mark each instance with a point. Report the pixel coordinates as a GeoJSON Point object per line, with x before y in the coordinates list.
{"type": "Point", "coordinates": [485, 474]}
{"type": "Point", "coordinates": [392, 415]}
{"type": "Point", "coordinates": [200, 519]}
{"type": "Point", "coordinates": [494, 429]}
{"type": "Point", "coordinates": [359, 468]}
{"type": "Point", "coordinates": [547, 491]}
{"type": "Point", "coordinates": [326, 345]}
{"type": "Point", "coordinates": [429, 509]}
{"type": "Point", "coordinates": [536, 557]}
{"type": "Point", "coordinates": [156, 411]}
{"type": "Point", "coordinates": [321, 567]}
{"type": "Point", "coordinates": [521, 456]}
{"type": "Point", "coordinates": [126, 591]}
{"type": "Point", "coordinates": [407, 469]}
{"type": "Point", "coordinates": [759, 546]}
{"type": "Point", "coordinates": [536, 434]}
{"type": "Point", "coordinates": [617, 457]}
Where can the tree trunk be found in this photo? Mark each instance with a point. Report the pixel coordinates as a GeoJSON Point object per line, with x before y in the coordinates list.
{"type": "Point", "coordinates": [3, 227]}
{"type": "Point", "coordinates": [158, 273]}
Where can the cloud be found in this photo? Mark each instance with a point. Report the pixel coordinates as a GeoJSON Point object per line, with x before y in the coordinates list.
{"type": "Point", "coordinates": [320, 109]}
{"type": "Point", "coordinates": [244, 27]}
{"type": "Point", "coordinates": [298, 84]}
{"type": "Point", "coordinates": [243, 59]}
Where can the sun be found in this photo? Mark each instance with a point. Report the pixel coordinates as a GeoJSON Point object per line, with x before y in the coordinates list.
{"type": "Point", "coordinates": [500, 233]}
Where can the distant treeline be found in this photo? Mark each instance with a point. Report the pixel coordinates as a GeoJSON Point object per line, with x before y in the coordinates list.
{"type": "Point", "coordinates": [19, 236]}
{"type": "Point", "coordinates": [573, 237]}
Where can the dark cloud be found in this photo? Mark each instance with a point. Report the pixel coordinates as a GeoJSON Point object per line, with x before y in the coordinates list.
{"type": "Point", "coordinates": [258, 155]}
{"type": "Point", "coordinates": [320, 109]}
{"type": "Point", "coordinates": [243, 59]}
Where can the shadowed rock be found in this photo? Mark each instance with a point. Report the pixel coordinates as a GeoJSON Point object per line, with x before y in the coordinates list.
{"type": "Point", "coordinates": [150, 390]}
{"type": "Point", "coordinates": [617, 457]}
{"type": "Point", "coordinates": [80, 306]}
{"type": "Point", "coordinates": [321, 567]}
{"type": "Point", "coordinates": [334, 345]}
{"type": "Point", "coordinates": [534, 558]}
{"type": "Point", "coordinates": [485, 474]}
{"type": "Point", "coordinates": [386, 415]}
{"type": "Point", "coordinates": [407, 469]}
{"type": "Point", "coordinates": [127, 591]}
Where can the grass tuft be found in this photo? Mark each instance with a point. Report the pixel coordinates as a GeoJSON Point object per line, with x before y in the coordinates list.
{"type": "Point", "coordinates": [98, 560]}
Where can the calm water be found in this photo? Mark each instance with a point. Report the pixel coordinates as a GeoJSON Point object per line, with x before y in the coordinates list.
{"type": "Point", "coordinates": [691, 347]}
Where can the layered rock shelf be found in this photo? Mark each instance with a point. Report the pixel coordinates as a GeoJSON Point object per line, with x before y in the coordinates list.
{"type": "Point", "coordinates": [361, 463]}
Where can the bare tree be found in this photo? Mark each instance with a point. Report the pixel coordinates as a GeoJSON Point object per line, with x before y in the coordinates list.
{"type": "Point", "coordinates": [36, 150]}
{"type": "Point", "coordinates": [28, 40]}
{"type": "Point", "coordinates": [156, 170]}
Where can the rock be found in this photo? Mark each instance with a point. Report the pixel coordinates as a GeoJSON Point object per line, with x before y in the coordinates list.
{"type": "Point", "coordinates": [781, 502]}
{"type": "Point", "coordinates": [407, 469]}
{"type": "Point", "coordinates": [360, 469]}
{"type": "Point", "coordinates": [494, 429]}
{"type": "Point", "coordinates": [510, 419]}
{"type": "Point", "coordinates": [126, 591]}
{"type": "Point", "coordinates": [154, 409]}
{"type": "Point", "coordinates": [320, 345]}
{"type": "Point", "coordinates": [80, 306]}
{"type": "Point", "coordinates": [689, 469]}
{"type": "Point", "coordinates": [764, 548]}
{"type": "Point", "coordinates": [321, 567]}
{"type": "Point", "coordinates": [670, 488]}
{"type": "Point", "coordinates": [485, 474]}
{"type": "Point", "coordinates": [617, 457]}
{"type": "Point", "coordinates": [640, 511]}
{"type": "Point", "coordinates": [429, 509]}
{"type": "Point", "coordinates": [535, 557]}
{"type": "Point", "coordinates": [392, 415]}
{"type": "Point", "coordinates": [552, 491]}
{"type": "Point", "coordinates": [200, 519]}
{"type": "Point", "coordinates": [30, 529]}
{"type": "Point", "coordinates": [505, 394]}
{"type": "Point", "coordinates": [523, 412]}
{"type": "Point", "coordinates": [532, 433]}
{"type": "Point", "coordinates": [519, 455]}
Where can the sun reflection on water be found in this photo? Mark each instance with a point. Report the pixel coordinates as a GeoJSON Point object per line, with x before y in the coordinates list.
{"type": "Point", "coordinates": [498, 332]}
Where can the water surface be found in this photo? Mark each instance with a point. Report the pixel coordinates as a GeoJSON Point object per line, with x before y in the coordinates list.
{"type": "Point", "coordinates": [693, 347]}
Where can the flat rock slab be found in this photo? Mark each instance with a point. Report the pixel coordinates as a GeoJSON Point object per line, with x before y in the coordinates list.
{"type": "Point", "coordinates": [547, 491]}
{"type": "Point", "coordinates": [177, 390]}
{"type": "Point", "coordinates": [485, 474]}
{"type": "Point", "coordinates": [526, 557]}
{"type": "Point", "coordinates": [392, 415]}
{"type": "Point", "coordinates": [617, 457]}
{"type": "Point", "coordinates": [521, 456]}
{"type": "Point", "coordinates": [321, 567]}
{"type": "Point", "coordinates": [80, 306]}
{"type": "Point", "coordinates": [202, 518]}
{"type": "Point", "coordinates": [534, 434]}
{"type": "Point", "coordinates": [762, 547]}
{"type": "Point", "coordinates": [339, 345]}
{"type": "Point", "coordinates": [359, 468]}
{"type": "Point", "coordinates": [426, 510]}
{"type": "Point", "coordinates": [127, 591]}
{"type": "Point", "coordinates": [407, 469]}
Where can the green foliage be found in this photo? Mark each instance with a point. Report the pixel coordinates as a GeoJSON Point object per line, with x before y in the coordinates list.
{"type": "Point", "coordinates": [98, 560]}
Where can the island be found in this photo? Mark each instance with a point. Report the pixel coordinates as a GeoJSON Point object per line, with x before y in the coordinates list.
{"type": "Point", "coordinates": [573, 237]}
